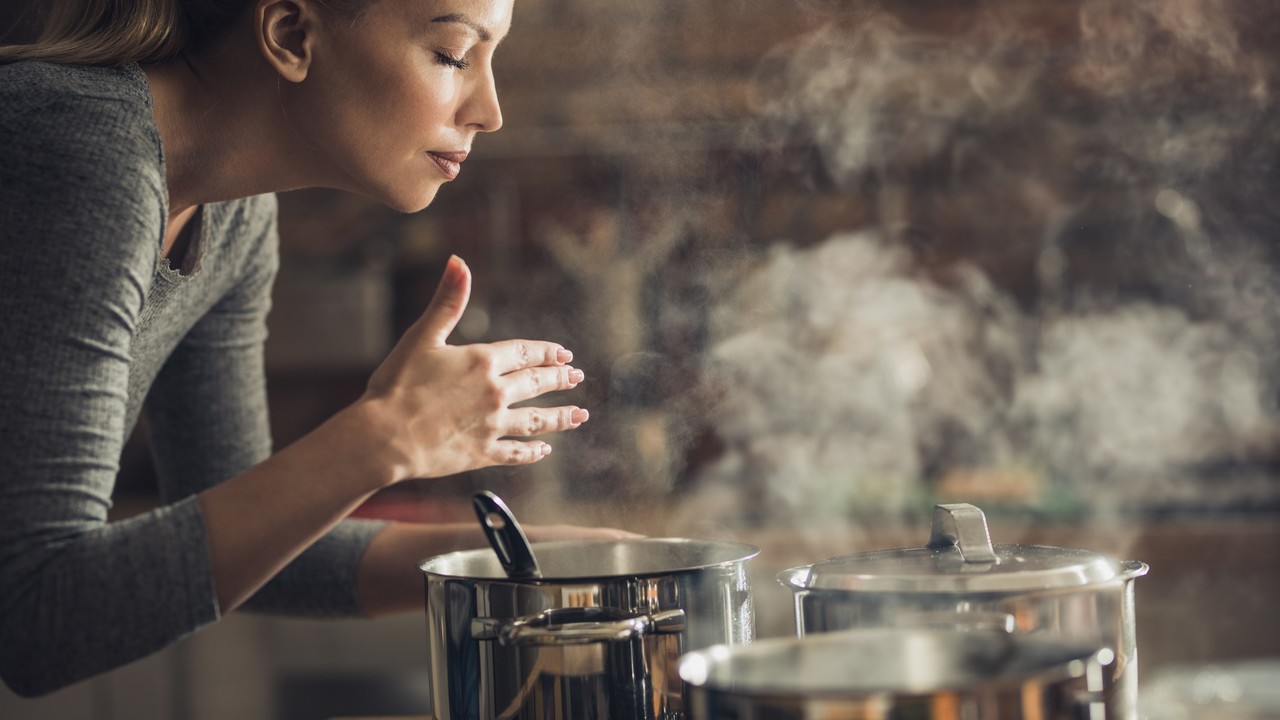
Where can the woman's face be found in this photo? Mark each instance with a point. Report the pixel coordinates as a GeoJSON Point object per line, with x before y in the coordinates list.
{"type": "Point", "coordinates": [393, 101]}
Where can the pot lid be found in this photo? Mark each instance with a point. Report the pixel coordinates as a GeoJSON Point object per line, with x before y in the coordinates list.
{"type": "Point", "coordinates": [960, 558]}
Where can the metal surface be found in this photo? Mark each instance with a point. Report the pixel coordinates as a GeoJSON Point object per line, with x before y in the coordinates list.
{"type": "Point", "coordinates": [889, 674]}
{"type": "Point", "coordinates": [576, 626]}
{"type": "Point", "coordinates": [1020, 568]}
{"type": "Point", "coordinates": [1073, 595]}
{"type": "Point", "coordinates": [960, 557]}
{"type": "Point", "coordinates": [964, 527]}
{"type": "Point", "coordinates": [621, 662]}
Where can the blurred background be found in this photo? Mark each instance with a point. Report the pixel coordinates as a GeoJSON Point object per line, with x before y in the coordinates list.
{"type": "Point", "coordinates": [824, 263]}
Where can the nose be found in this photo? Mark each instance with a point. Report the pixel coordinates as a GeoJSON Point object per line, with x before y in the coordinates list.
{"type": "Point", "coordinates": [480, 109]}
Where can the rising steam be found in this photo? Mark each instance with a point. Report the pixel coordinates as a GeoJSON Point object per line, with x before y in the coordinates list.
{"type": "Point", "coordinates": [1113, 159]}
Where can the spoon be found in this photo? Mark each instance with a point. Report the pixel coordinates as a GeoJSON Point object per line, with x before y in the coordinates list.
{"type": "Point", "coordinates": [505, 536]}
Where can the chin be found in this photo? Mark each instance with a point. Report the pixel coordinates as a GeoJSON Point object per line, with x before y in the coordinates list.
{"type": "Point", "coordinates": [409, 200]}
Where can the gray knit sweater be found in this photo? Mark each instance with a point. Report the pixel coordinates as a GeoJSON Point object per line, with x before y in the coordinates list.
{"type": "Point", "coordinates": [92, 322]}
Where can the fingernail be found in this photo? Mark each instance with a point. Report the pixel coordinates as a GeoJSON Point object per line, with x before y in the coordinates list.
{"type": "Point", "coordinates": [564, 356]}
{"type": "Point", "coordinates": [579, 416]}
{"type": "Point", "coordinates": [453, 269]}
{"type": "Point", "coordinates": [546, 449]}
{"type": "Point", "coordinates": [576, 376]}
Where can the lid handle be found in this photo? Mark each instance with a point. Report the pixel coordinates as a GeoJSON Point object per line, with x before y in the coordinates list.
{"type": "Point", "coordinates": [964, 527]}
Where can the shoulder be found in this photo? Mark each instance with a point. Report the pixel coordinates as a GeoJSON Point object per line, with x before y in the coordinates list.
{"type": "Point", "coordinates": [29, 85]}
{"type": "Point", "coordinates": [78, 116]}
{"type": "Point", "coordinates": [81, 174]}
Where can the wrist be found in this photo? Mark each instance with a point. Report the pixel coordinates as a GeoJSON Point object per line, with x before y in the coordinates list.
{"type": "Point", "coordinates": [368, 429]}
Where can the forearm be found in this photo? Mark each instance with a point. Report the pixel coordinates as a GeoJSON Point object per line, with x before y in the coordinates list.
{"type": "Point", "coordinates": [260, 520]}
{"type": "Point", "coordinates": [76, 607]}
{"type": "Point", "coordinates": [388, 580]}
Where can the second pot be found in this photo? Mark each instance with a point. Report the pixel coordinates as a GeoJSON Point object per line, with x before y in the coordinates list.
{"type": "Point", "coordinates": [960, 581]}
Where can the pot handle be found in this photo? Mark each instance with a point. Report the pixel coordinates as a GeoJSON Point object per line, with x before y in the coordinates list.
{"type": "Point", "coordinates": [563, 626]}
{"type": "Point", "coordinates": [964, 527]}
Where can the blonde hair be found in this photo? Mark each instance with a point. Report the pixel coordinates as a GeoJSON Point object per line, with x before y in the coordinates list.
{"type": "Point", "coordinates": [119, 32]}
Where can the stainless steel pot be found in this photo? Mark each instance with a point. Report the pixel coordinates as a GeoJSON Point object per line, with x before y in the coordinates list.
{"type": "Point", "coordinates": [961, 581]}
{"type": "Point", "coordinates": [894, 674]}
{"type": "Point", "coordinates": [598, 635]}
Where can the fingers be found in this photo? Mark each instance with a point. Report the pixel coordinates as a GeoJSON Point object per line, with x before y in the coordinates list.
{"type": "Point", "coordinates": [528, 422]}
{"type": "Point", "coordinates": [530, 383]}
{"type": "Point", "coordinates": [518, 452]}
{"type": "Point", "coordinates": [447, 305]}
{"type": "Point", "coordinates": [512, 355]}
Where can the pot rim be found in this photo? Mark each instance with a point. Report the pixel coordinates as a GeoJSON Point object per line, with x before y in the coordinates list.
{"type": "Point", "coordinates": [741, 551]}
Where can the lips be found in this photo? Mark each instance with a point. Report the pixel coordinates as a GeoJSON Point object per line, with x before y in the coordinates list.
{"type": "Point", "coordinates": [450, 163]}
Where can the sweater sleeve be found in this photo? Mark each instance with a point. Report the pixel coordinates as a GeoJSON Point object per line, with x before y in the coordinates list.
{"type": "Point", "coordinates": [208, 421]}
{"type": "Point", "coordinates": [80, 222]}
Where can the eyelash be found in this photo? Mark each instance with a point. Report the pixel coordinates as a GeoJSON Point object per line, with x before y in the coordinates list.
{"type": "Point", "coordinates": [451, 61]}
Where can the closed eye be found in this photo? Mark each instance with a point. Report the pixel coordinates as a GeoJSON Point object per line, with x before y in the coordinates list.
{"type": "Point", "coordinates": [451, 61]}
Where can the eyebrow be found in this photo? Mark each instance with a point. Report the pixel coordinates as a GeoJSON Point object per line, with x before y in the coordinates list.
{"type": "Point", "coordinates": [484, 34]}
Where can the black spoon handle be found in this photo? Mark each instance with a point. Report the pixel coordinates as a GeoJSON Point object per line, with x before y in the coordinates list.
{"type": "Point", "coordinates": [505, 536]}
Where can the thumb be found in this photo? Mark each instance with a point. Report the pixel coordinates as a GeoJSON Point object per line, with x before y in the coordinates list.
{"type": "Point", "coordinates": [448, 304]}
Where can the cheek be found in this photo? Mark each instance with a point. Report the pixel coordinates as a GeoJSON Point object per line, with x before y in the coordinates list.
{"type": "Point", "coordinates": [383, 101]}
{"type": "Point", "coordinates": [419, 105]}
{"type": "Point", "coordinates": [395, 121]}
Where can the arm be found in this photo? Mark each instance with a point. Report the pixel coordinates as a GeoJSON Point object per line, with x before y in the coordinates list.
{"type": "Point", "coordinates": [430, 410]}
{"type": "Point", "coordinates": [81, 596]}
{"type": "Point", "coordinates": [80, 222]}
{"type": "Point", "coordinates": [79, 228]}
{"type": "Point", "coordinates": [208, 421]}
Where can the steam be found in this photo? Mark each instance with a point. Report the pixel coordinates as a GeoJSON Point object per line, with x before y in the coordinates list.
{"type": "Point", "coordinates": [1137, 373]}
{"type": "Point", "coordinates": [1060, 294]}
{"type": "Point", "coordinates": [837, 365]}
{"type": "Point", "coordinates": [1139, 391]}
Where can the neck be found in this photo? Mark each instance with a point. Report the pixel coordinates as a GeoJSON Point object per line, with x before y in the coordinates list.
{"type": "Point", "coordinates": [222, 130]}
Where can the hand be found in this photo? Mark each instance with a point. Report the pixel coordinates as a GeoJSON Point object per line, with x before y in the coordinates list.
{"type": "Point", "coordinates": [448, 407]}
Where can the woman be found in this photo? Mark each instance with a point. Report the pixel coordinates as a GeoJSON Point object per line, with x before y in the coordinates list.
{"type": "Point", "coordinates": [137, 252]}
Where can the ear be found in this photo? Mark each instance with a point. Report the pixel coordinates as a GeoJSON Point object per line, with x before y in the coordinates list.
{"type": "Point", "coordinates": [286, 34]}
